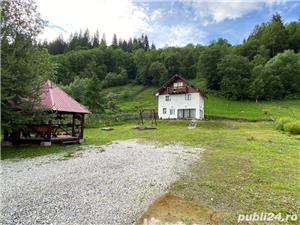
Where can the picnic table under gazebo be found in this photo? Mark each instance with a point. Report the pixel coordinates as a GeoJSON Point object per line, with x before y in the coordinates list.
{"type": "Point", "coordinates": [66, 124]}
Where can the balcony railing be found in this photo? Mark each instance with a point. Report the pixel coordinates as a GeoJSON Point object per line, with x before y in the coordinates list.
{"type": "Point", "coordinates": [177, 90]}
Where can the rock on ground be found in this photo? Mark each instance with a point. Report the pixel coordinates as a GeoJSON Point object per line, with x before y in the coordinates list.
{"type": "Point", "coordinates": [111, 184]}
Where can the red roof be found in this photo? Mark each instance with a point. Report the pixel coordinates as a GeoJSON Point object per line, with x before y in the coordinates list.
{"type": "Point", "coordinates": [54, 98]}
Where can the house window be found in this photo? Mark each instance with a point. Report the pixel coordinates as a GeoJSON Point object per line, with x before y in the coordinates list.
{"type": "Point", "coordinates": [188, 96]}
{"type": "Point", "coordinates": [168, 98]}
{"type": "Point", "coordinates": [178, 84]}
{"type": "Point", "coordinates": [172, 111]}
{"type": "Point", "coordinates": [164, 110]}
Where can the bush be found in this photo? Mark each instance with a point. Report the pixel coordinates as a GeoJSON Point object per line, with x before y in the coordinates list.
{"type": "Point", "coordinates": [125, 94]}
{"type": "Point", "coordinates": [279, 125]}
{"type": "Point", "coordinates": [114, 79]}
{"type": "Point", "coordinates": [292, 127]}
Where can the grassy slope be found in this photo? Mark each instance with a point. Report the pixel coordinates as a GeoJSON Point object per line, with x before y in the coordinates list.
{"type": "Point", "coordinates": [216, 105]}
{"type": "Point", "coordinates": [247, 167]}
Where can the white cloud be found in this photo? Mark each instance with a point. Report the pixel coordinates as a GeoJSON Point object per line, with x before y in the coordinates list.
{"type": "Point", "coordinates": [179, 35]}
{"type": "Point", "coordinates": [155, 15]}
{"type": "Point", "coordinates": [217, 11]}
{"type": "Point", "coordinates": [122, 17]}
{"type": "Point", "coordinates": [129, 18]}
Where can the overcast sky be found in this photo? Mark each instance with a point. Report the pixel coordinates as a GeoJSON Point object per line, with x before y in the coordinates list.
{"type": "Point", "coordinates": [167, 23]}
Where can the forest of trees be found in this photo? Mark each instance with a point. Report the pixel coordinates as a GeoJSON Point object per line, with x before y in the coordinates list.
{"type": "Point", "coordinates": [83, 40]}
{"type": "Point", "coordinates": [265, 66]}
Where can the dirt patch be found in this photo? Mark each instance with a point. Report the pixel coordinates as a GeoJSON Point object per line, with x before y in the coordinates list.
{"type": "Point", "coordinates": [170, 209]}
{"type": "Point", "coordinates": [144, 128]}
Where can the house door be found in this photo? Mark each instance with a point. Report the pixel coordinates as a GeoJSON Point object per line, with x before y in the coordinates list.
{"type": "Point", "coordinates": [180, 114]}
{"type": "Point", "coordinates": [186, 113]}
{"type": "Point", "coordinates": [192, 113]}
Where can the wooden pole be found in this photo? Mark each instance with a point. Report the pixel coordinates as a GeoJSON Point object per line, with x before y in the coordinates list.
{"type": "Point", "coordinates": [141, 116]}
{"type": "Point", "coordinates": [49, 132]}
{"type": "Point", "coordinates": [73, 124]}
{"type": "Point", "coordinates": [81, 126]}
{"type": "Point", "coordinates": [154, 113]}
{"type": "Point", "coordinates": [152, 116]}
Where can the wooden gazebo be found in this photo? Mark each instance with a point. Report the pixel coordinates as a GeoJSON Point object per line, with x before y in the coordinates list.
{"type": "Point", "coordinates": [67, 119]}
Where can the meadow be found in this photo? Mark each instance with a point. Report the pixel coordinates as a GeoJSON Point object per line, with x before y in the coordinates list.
{"type": "Point", "coordinates": [215, 105]}
{"type": "Point", "coordinates": [246, 167]}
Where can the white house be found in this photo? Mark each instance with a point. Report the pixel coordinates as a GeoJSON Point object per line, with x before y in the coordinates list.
{"type": "Point", "coordinates": [178, 99]}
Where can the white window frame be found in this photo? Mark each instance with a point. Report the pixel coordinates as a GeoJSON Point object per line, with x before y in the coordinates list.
{"type": "Point", "coordinates": [164, 110]}
{"type": "Point", "coordinates": [168, 98]}
{"type": "Point", "coordinates": [178, 84]}
{"type": "Point", "coordinates": [188, 96]}
{"type": "Point", "coordinates": [172, 111]}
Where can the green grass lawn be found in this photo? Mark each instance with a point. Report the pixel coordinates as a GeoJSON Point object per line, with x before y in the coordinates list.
{"type": "Point", "coordinates": [219, 106]}
{"type": "Point", "coordinates": [146, 99]}
{"type": "Point", "coordinates": [246, 168]}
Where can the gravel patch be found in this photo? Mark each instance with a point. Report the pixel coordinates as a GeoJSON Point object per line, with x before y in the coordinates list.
{"type": "Point", "coordinates": [110, 184]}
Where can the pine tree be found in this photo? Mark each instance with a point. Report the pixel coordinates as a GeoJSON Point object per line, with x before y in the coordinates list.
{"type": "Point", "coordinates": [103, 41]}
{"type": "Point", "coordinates": [141, 42]}
{"type": "Point", "coordinates": [124, 45]}
{"type": "Point", "coordinates": [146, 43]}
{"type": "Point", "coordinates": [80, 37]}
{"type": "Point", "coordinates": [74, 41]}
{"type": "Point", "coordinates": [58, 46]}
{"type": "Point", "coordinates": [24, 66]}
{"type": "Point", "coordinates": [130, 45]}
{"type": "Point", "coordinates": [86, 39]}
{"type": "Point", "coordinates": [96, 40]}
{"type": "Point", "coordinates": [135, 44]}
{"type": "Point", "coordinates": [114, 41]}
{"type": "Point", "coordinates": [120, 43]}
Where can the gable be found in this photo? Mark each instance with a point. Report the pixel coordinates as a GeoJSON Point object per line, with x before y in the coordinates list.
{"type": "Point", "coordinates": [178, 85]}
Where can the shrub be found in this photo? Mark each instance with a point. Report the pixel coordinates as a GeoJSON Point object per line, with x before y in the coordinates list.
{"type": "Point", "coordinates": [292, 127]}
{"type": "Point", "coordinates": [113, 79]}
{"type": "Point", "coordinates": [279, 125]}
{"type": "Point", "coordinates": [125, 94]}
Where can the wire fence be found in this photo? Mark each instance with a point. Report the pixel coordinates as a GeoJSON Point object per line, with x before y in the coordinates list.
{"type": "Point", "coordinates": [94, 120]}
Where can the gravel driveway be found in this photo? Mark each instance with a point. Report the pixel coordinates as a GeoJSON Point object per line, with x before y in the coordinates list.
{"type": "Point", "coordinates": [111, 184]}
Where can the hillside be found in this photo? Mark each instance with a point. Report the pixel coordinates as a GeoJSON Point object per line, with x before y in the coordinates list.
{"type": "Point", "coordinates": [129, 97]}
{"type": "Point", "coordinates": [265, 66]}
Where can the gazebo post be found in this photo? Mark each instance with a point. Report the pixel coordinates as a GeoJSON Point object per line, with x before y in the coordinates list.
{"type": "Point", "coordinates": [49, 130]}
{"type": "Point", "coordinates": [6, 141]}
{"type": "Point", "coordinates": [73, 124]}
{"type": "Point", "coordinates": [47, 142]}
{"type": "Point", "coordinates": [81, 128]}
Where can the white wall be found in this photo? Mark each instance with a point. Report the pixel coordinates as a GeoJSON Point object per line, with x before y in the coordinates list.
{"type": "Point", "coordinates": [178, 102]}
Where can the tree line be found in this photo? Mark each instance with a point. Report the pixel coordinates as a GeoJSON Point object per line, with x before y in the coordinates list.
{"type": "Point", "coordinates": [83, 40]}
{"type": "Point", "coordinates": [265, 66]}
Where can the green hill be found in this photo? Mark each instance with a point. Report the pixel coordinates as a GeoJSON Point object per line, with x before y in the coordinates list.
{"type": "Point", "coordinates": [131, 96]}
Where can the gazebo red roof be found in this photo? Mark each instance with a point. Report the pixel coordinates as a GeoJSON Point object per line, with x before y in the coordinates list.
{"type": "Point", "coordinates": [54, 98]}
